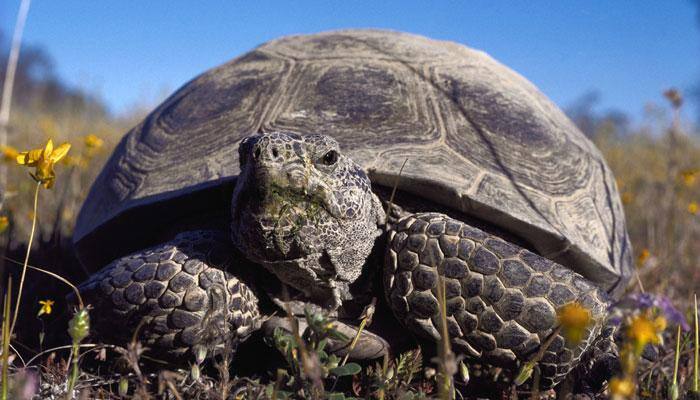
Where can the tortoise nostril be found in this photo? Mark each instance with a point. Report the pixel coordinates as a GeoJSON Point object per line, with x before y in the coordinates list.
{"type": "Point", "coordinates": [275, 153]}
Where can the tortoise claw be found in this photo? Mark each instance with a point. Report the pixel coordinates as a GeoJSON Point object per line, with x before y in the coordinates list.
{"type": "Point", "coordinates": [369, 346]}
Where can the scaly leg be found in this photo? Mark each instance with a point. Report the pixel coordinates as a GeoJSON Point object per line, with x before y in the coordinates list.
{"type": "Point", "coordinates": [181, 294]}
{"type": "Point", "coordinates": [502, 300]}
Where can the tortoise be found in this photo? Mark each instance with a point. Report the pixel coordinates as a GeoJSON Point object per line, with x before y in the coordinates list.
{"type": "Point", "coordinates": [348, 165]}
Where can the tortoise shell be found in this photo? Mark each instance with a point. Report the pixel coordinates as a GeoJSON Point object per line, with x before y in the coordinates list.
{"type": "Point", "coordinates": [478, 137]}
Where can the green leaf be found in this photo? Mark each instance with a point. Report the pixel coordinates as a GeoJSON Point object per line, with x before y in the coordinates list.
{"type": "Point", "coordinates": [336, 396]}
{"type": "Point", "coordinates": [408, 365]}
{"type": "Point", "coordinates": [525, 373]}
{"type": "Point", "coordinates": [347, 370]}
{"type": "Point", "coordinates": [332, 361]}
{"type": "Point", "coordinates": [464, 372]}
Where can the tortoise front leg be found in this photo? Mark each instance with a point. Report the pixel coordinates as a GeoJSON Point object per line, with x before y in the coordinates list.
{"type": "Point", "coordinates": [181, 295]}
{"type": "Point", "coordinates": [502, 300]}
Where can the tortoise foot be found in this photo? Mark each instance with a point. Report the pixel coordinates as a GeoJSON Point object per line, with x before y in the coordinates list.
{"type": "Point", "coordinates": [178, 295]}
{"type": "Point", "coordinates": [501, 299]}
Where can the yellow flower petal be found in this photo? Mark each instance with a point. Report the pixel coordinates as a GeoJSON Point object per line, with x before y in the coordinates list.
{"type": "Point", "coordinates": [36, 155]}
{"type": "Point", "coordinates": [71, 161]}
{"type": "Point", "coordinates": [93, 141]}
{"type": "Point", "coordinates": [9, 153]}
{"type": "Point", "coordinates": [29, 158]}
{"type": "Point", "coordinates": [621, 388]}
{"type": "Point", "coordinates": [627, 198]}
{"type": "Point", "coordinates": [43, 160]}
{"type": "Point", "coordinates": [642, 331]}
{"type": "Point", "coordinates": [22, 158]}
{"type": "Point", "coordinates": [4, 223]}
{"type": "Point", "coordinates": [59, 152]}
{"type": "Point", "coordinates": [689, 176]}
{"type": "Point", "coordinates": [48, 149]}
{"type": "Point", "coordinates": [643, 256]}
{"type": "Point", "coordinates": [46, 307]}
{"type": "Point", "coordinates": [660, 324]}
{"type": "Point", "coordinates": [574, 319]}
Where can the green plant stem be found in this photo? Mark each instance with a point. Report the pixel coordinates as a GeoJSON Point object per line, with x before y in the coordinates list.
{"type": "Point", "coordinates": [354, 341]}
{"type": "Point", "coordinates": [91, 346]}
{"type": "Point", "coordinates": [673, 392]}
{"type": "Point", "coordinates": [367, 318]}
{"type": "Point", "coordinates": [678, 355]}
{"type": "Point", "coordinates": [74, 370]}
{"type": "Point", "coordinates": [444, 350]}
{"type": "Point", "coordinates": [393, 190]}
{"type": "Point", "coordinates": [26, 259]}
{"type": "Point", "coordinates": [78, 329]}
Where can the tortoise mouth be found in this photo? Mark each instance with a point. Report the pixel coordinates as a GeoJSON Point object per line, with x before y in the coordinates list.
{"type": "Point", "coordinates": [275, 189]}
{"type": "Point", "coordinates": [280, 207]}
{"type": "Point", "coordinates": [277, 223]}
{"type": "Point", "coordinates": [287, 217]}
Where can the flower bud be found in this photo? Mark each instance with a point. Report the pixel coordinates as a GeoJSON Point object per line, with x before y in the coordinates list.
{"type": "Point", "coordinates": [464, 372]}
{"type": "Point", "coordinates": [525, 373]}
{"type": "Point", "coordinates": [389, 373]}
{"type": "Point", "coordinates": [200, 353]}
{"type": "Point", "coordinates": [79, 325]}
{"type": "Point", "coordinates": [123, 386]}
{"type": "Point", "coordinates": [673, 392]}
{"type": "Point", "coordinates": [194, 372]}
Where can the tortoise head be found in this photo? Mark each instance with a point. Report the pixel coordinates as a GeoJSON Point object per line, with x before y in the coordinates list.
{"type": "Point", "coordinates": [305, 211]}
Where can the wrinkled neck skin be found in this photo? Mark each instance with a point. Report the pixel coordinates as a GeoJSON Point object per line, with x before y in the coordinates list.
{"type": "Point", "coordinates": [311, 225]}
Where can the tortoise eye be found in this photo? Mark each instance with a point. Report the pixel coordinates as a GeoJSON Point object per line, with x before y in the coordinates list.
{"type": "Point", "coordinates": [330, 158]}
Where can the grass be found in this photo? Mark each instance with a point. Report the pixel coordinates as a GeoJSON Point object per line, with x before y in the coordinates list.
{"type": "Point", "coordinates": [656, 165]}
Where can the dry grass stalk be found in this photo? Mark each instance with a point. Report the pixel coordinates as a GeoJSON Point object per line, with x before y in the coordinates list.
{"type": "Point", "coordinates": [6, 102]}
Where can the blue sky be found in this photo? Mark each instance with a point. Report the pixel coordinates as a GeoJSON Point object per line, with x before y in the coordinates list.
{"type": "Point", "coordinates": [132, 51]}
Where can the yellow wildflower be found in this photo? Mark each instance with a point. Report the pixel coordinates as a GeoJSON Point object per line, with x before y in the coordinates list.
{"type": "Point", "coordinates": [46, 307]}
{"type": "Point", "coordinates": [689, 176]}
{"type": "Point", "coordinates": [574, 319]}
{"type": "Point", "coordinates": [76, 161]}
{"type": "Point", "coordinates": [9, 153]}
{"type": "Point", "coordinates": [93, 141]}
{"type": "Point", "coordinates": [621, 388]}
{"type": "Point", "coordinates": [660, 324]}
{"type": "Point", "coordinates": [643, 256]}
{"type": "Point", "coordinates": [4, 223]}
{"type": "Point", "coordinates": [43, 160]}
{"type": "Point", "coordinates": [643, 330]}
{"type": "Point", "coordinates": [627, 198]}
{"type": "Point", "coordinates": [693, 207]}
